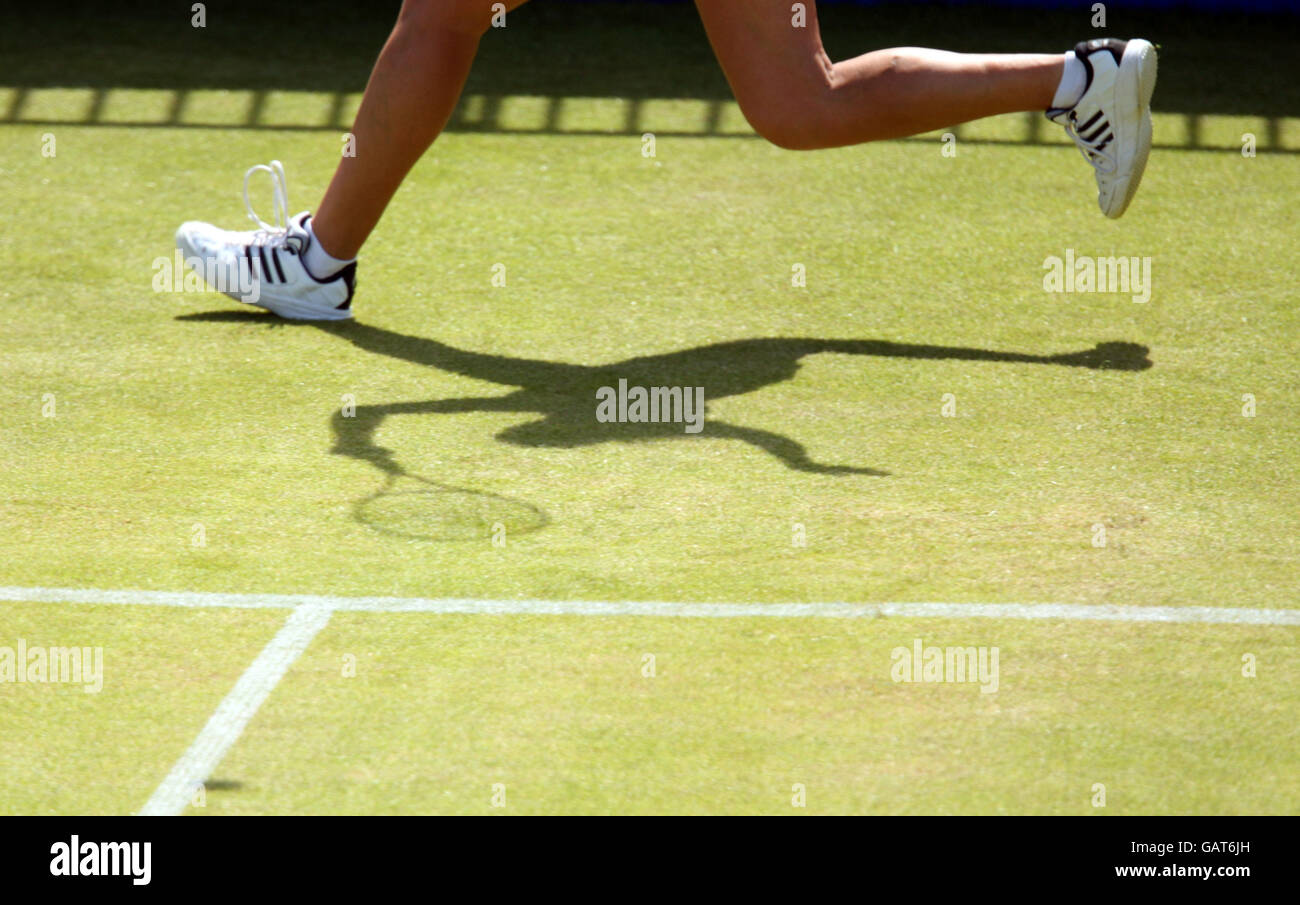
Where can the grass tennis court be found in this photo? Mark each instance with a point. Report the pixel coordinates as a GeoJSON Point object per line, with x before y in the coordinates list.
{"type": "Point", "coordinates": [919, 421]}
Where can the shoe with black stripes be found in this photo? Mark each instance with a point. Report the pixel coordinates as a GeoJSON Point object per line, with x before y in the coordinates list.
{"type": "Point", "coordinates": [265, 267]}
{"type": "Point", "coordinates": [1111, 122]}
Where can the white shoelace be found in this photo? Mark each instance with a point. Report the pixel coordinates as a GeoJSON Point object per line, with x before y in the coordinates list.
{"type": "Point", "coordinates": [279, 198]}
{"type": "Point", "coordinates": [1092, 155]}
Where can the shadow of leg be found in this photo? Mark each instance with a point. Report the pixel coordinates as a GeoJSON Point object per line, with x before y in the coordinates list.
{"type": "Point", "coordinates": [354, 434]}
{"type": "Point", "coordinates": [792, 454]}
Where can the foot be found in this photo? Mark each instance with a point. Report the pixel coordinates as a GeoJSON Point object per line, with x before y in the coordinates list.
{"type": "Point", "coordinates": [1111, 122]}
{"type": "Point", "coordinates": [265, 267]}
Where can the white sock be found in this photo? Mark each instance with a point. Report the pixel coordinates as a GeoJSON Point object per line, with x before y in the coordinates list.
{"type": "Point", "coordinates": [1073, 82]}
{"type": "Point", "coordinates": [319, 262]}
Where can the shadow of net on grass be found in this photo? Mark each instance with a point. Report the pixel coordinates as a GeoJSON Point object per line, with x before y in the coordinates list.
{"type": "Point", "coordinates": [622, 59]}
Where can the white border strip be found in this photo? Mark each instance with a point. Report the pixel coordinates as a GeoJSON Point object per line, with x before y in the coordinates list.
{"type": "Point", "coordinates": [234, 712]}
{"type": "Point", "coordinates": [1056, 611]}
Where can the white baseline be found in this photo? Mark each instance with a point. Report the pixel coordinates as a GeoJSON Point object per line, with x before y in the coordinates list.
{"type": "Point", "coordinates": [469, 606]}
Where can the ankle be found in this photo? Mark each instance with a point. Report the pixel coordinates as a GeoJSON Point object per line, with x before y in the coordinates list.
{"type": "Point", "coordinates": [318, 259]}
{"type": "Point", "coordinates": [1071, 82]}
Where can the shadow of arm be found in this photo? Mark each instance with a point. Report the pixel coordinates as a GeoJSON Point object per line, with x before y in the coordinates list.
{"type": "Point", "coordinates": [1106, 356]}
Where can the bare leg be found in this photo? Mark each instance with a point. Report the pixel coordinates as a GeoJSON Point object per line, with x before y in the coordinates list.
{"type": "Point", "coordinates": [412, 91]}
{"type": "Point", "coordinates": [785, 83]}
{"type": "Point", "coordinates": [796, 97]}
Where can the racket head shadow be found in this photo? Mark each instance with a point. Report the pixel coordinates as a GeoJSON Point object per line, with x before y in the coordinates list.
{"type": "Point", "coordinates": [417, 508]}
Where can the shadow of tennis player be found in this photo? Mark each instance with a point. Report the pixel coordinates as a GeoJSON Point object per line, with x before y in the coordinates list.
{"type": "Point", "coordinates": [564, 394]}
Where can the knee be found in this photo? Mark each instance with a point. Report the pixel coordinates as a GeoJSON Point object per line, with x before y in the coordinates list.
{"type": "Point", "coordinates": [788, 126]}
{"type": "Point", "coordinates": [796, 115]}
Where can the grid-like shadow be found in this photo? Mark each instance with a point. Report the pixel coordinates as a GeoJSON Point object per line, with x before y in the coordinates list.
{"type": "Point", "coordinates": [630, 54]}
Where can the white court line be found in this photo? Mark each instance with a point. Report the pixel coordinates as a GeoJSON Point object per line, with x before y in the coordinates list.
{"type": "Point", "coordinates": [236, 709]}
{"type": "Point", "coordinates": [451, 605]}
{"type": "Point", "coordinates": [309, 614]}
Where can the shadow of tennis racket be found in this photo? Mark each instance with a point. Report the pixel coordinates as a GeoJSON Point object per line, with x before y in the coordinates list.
{"type": "Point", "coordinates": [415, 507]}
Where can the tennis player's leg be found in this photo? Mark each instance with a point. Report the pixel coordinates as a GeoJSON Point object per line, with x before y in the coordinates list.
{"type": "Point", "coordinates": [797, 97]}
{"type": "Point", "coordinates": [304, 267]}
{"type": "Point", "coordinates": [412, 91]}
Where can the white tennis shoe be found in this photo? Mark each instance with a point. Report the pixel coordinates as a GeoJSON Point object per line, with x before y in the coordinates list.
{"type": "Point", "coordinates": [265, 267]}
{"type": "Point", "coordinates": [1111, 122]}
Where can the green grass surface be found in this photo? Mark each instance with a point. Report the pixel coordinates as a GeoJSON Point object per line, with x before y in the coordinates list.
{"type": "Point", "coordinates": [173, 411]}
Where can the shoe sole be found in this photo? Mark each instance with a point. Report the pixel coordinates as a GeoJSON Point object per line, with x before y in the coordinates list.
{"type": "Point", "coordinates": [1137, 76]}
{"type": "Point", "coordinates": [289, 309]}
